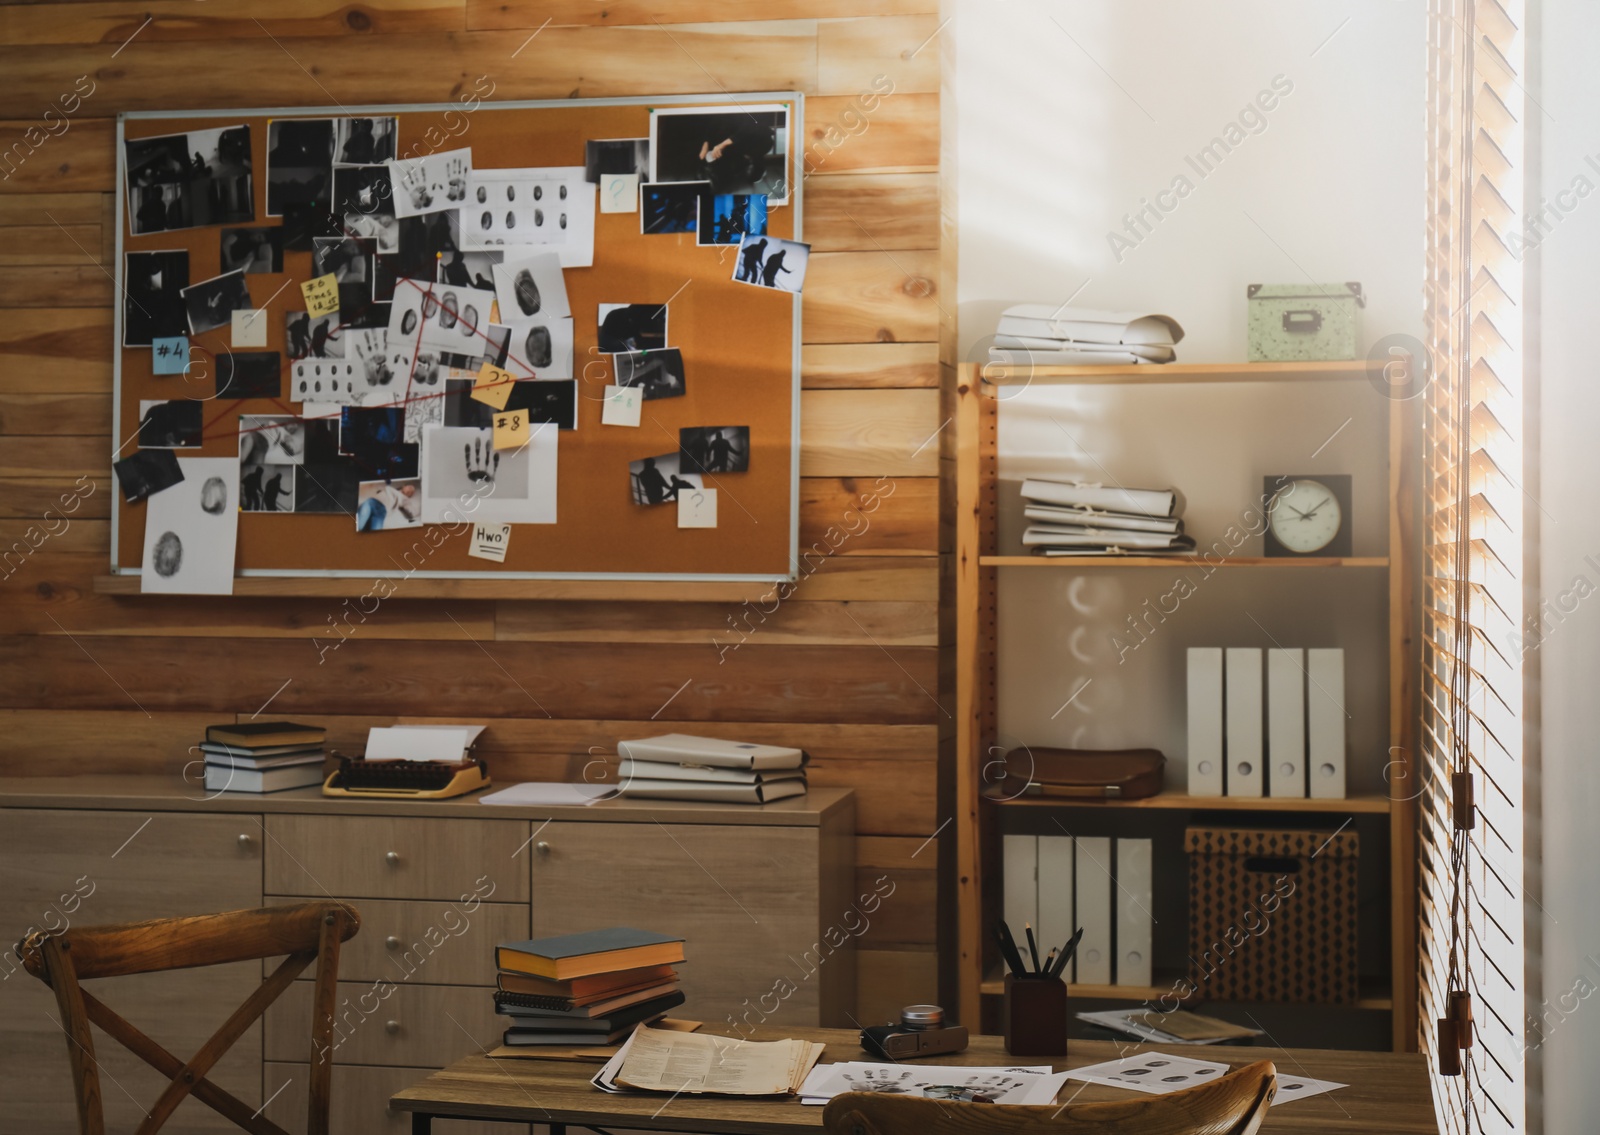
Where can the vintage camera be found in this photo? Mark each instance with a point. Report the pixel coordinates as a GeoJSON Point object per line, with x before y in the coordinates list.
{"type": "Point", "coordinates": [921, 1032]}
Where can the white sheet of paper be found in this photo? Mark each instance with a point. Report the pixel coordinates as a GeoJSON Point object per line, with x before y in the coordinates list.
{"type": "Point", "coordinates": [489, 542]}
{"type": "Point", "coordinates": [399, 743]}
{"type": "Point", "coordinates": [697, 508]}
{"type": "Point", "coordinates": [550, 794]}
{"type": "Point", "coordinates": [1022, 1084]}
{"type": "Point", "coordinates": [622, 406]}
{"type": "Point", "coordinates": [549, 209]}
{"type": "Point", "coordinates": [444, 317]}
{"type": "Point", "coordinates": [540, 348]}
{"type": "Point", "coordinates": [250, 328]}
{"type": "Point", "coordinates": [619, 193]}
{"type": "Point", "coordinates": [191, 530]}
{"type": "Point", "coordinates": [1154, 1073]}
{"type": "Point", "coordinates": [465, 479]}
{"type": "Point", "coordinates": [1291, 1088]}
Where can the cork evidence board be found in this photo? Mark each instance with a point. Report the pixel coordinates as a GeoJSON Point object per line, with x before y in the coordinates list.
{"type": "Point", "coordinates": [246, 206]}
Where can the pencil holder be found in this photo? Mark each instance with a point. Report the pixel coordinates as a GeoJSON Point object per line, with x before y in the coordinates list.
{"type": "Point", "coordinates": [1036, 1016]}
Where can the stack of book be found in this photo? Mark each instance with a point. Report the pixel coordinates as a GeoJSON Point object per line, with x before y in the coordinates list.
{"type": "Point", "coordinates": [677, 766]}
{"type": "Point", "coordinates": [1045, 334]}
{"type": "Point", "coordinates": [591, 988]}
{"type": "Point", "coordinates": [263, 756]}
{"type": "Point", "coordinates": [1069, 519]}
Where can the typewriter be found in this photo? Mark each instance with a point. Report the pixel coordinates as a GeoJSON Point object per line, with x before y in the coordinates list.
{"type": "Point", "coordinates": [426, 780]}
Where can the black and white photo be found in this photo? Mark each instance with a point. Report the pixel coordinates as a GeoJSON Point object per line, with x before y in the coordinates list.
{"type": "Point", "coordinates": [265, 488]}
{"type": "Point", "coordinates": [175, 424]}
{"type": "Point", "coordinates": [299, 164]}
{"type": "Point", "coordinates": [659, 374]}
{"type": "Point", "coordinates": [462, 409]}
{"type": "Point", "coordinates": [361, 141]}
{"type": "Point", "coordinates": [146, 471]}
{"type": "Point", "coordinates": [743, 149]}
{"type": "Point", "coordinates": [362, 190]}
{"type": "Point", "coordinates": [555, 403]}
{"type": "Point", "coordinates": [665, 209]}
{"type": "Point", "coordinates": [632, 327]}
{"type": "Point", "coordinates": [492, 347]}
{"type": "Point", "coordinates": [431, 183]}
{"type": "Point", "coordinates": [249, 374]}
{"type": "Point", "coordinates": [615, 155]}
{"type": "Point", "coordinates": [347, 260]}
{"type": "Point", "coordinates": [772, 262]}
{"type": "Point", "coordinates": [211, 303]}
{"type": "Point", "coordinates": [314, 337]}
{"type": "Point", "coordinates": [183, 181]}
{"type": "Point", "coordinates": [715, 449]}
{"type": "Point", "coordinates": [442, 317]}
{"type": "Point", "coordinates": [252, 250]}
{"type": "Point", "coordinates": [152, 297]}
{"type": "Point", "coordinates": [272, 439]}
{"type": "Point", "coordinates": [659, 479]}
{"type": "Point", "coordinates": [468, 269]}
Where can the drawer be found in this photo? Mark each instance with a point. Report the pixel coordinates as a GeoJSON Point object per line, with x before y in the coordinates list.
{"type": "Point", "coordinates": [393, 1024]}
{"type": "Point", "coordinates": [437, 943]}
{"type": "Point", "coordinates": [391, 857]}
{"type": "Point", "coordinates": [360, 1103]}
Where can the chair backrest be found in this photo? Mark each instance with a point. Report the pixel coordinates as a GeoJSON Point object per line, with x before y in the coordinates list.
{"type": "Point", "coordinates": [307, 932]}
{"type": "Point", "coordinates": [1236, 1104]}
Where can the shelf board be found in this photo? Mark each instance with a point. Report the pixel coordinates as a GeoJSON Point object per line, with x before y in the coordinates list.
{"type": "Point", "coordinates": [1177, 801]}
{"type": "Point", "coordinates": [417, 587]}
{"type": "Point", "coordinates": [1183, 561]}
{"type": "Point", "coordinates": [1373, 995]}
{"type": "Point", "coordinates": [1175, 373]}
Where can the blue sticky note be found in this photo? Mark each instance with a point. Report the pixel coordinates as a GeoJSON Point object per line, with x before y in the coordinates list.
{"type": "Point", "coordinates": [171, 356]}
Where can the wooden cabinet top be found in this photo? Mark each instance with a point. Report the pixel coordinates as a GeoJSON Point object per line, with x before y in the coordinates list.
{"type": "Point", "coordinates": [169, 794]}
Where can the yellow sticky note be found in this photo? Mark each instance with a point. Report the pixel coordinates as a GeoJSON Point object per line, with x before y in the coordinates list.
{"type": "Point", "coordinates": [493, 386]}
{"type": "Point", "coordinates": [512, 430]}
{"type": "Point", "coordinates": [322, 295]}
{"type": "Point", "coordinates": [489, 542]}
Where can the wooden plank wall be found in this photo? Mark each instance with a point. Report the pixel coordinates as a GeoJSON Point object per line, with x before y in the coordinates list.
{"type": "Point", "coordinates": [849, 666]}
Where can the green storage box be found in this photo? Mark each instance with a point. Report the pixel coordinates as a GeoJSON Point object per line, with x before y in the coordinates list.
{"type": "Point", "coordinates": [1304, 322]}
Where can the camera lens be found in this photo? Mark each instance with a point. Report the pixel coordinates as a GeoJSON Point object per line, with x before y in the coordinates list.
{"type": "Point", "coordinates": [921, 1017]}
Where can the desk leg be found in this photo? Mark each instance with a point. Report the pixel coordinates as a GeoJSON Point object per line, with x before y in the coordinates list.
{"type": "Point", "coordinates": [421, 1123]}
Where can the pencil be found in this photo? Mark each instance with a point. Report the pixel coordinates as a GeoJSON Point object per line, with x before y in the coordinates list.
{"type": "Point", "coordinates": [1033, 947]}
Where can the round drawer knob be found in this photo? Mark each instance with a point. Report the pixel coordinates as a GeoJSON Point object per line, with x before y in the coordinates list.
{"type": "Point", "coordinates": [391, 1027]}
{"type": "Point", "coordinates": [392, 859]}
{"type": "Point", "coordinates": [244, 840]}
{"type": "Point", "coordinates": [542, 847]}
{"type": "Point", "coordinates": [392, 942]}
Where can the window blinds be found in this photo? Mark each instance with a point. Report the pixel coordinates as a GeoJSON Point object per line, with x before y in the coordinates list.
{"type": "Point", "coordinates": [1472, 638]}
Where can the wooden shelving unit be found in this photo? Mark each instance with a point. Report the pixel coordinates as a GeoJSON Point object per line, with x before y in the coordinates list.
{"type": "Point", "coordinates": [978, 567]}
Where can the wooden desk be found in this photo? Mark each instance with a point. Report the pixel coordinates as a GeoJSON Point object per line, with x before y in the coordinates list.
{"type": "Point", "coordinates": [1388, 1092]}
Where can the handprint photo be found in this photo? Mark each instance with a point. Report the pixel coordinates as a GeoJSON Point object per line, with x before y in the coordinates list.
{"type": "Point", "coordinates": [482, 459]}
{"type": "Point", "coordinates": [430, 184]}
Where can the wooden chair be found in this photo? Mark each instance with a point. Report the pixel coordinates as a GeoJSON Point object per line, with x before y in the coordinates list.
{"type": "Point", "coordinates": [308, 932]}
{"type": "Point", "coordinates": [1234, 1105]}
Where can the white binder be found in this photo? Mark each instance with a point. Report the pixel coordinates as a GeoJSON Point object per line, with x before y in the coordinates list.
{"type": "Point", "coordinates": [1243, 743]}
{"type": "Point", "coordinates": [1205, 721]}
{"type": "Point", "coordinates": [1020, 898]}
{"type": "Point", "coordinates": [1093, 855]}
{"type": "Point", "coordinates": [1134, 918]}
{"type": "Point", "coordinates": [1325, 722]}
{"type": "Point", "coordinates": [1286, 723]}
{"type": "Point", "coordinates": [1055, 923]}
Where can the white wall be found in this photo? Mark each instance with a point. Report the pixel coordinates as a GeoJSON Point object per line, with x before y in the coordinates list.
{"type": "Point", "coordinates": [1567, 86]}
{"type": "Point", "coordinates": [1070, 114]}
